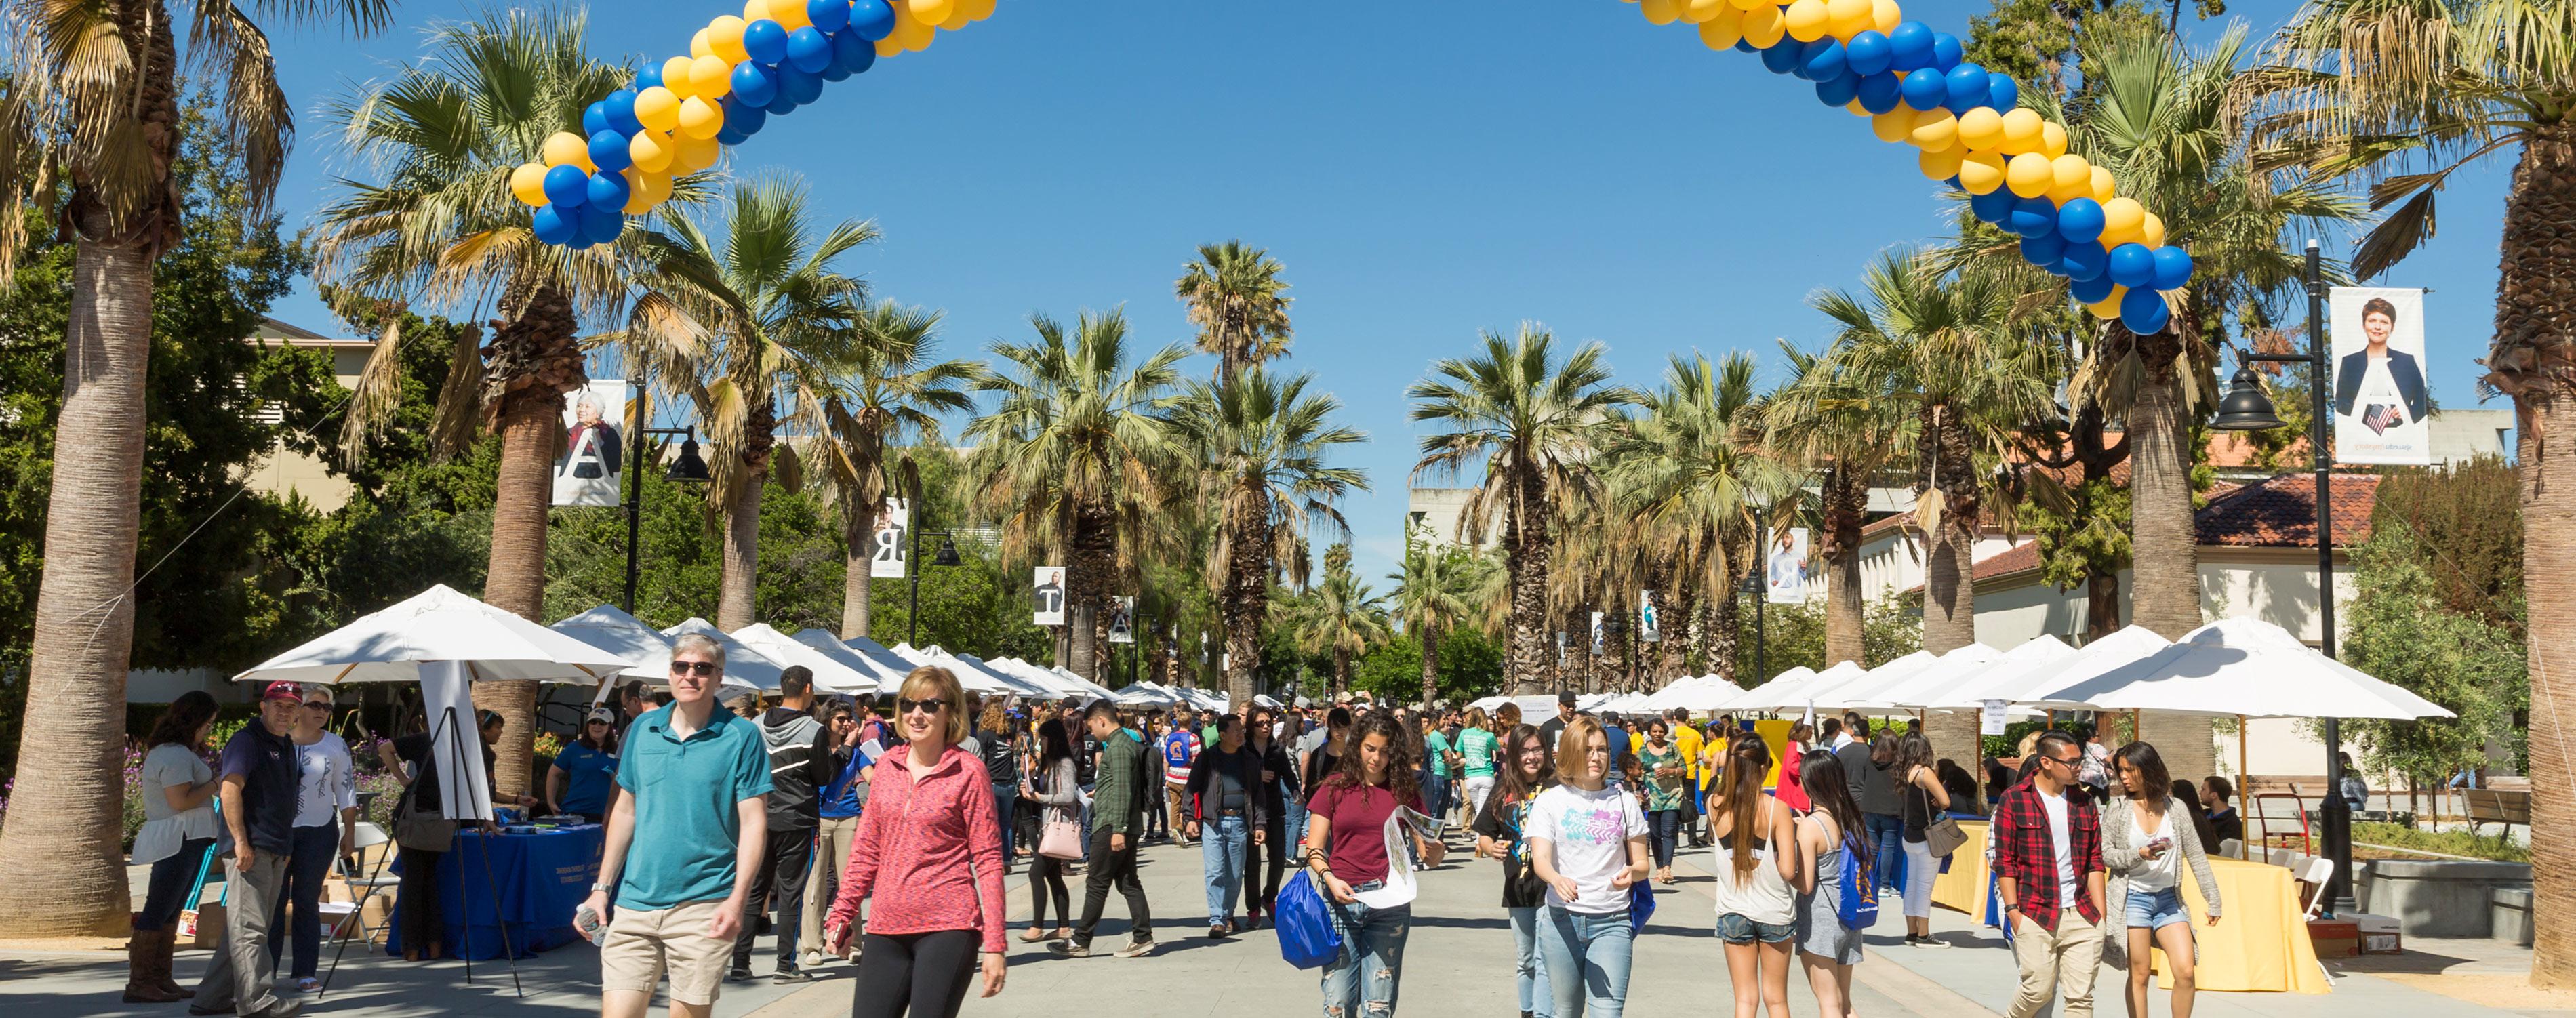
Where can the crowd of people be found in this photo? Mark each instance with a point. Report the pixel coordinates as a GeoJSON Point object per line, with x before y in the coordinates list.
{"type": "Point", "coordinates": [857, 833]}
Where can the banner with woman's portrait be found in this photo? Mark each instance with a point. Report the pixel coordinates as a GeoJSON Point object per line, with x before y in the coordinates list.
{"type": "Point", "coordinates": [2381, 402]}
{"type": "Point", "coordinates": [591, 465]}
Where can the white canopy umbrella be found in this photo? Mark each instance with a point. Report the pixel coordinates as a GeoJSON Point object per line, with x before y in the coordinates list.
{"type": "Point", "coordinates": [2248, 668]}
{"type": "Point", "coordinates": [1932, 688]}
{"type": "Point", "coordinates": [1751, 699]}
{"type": "Point", "coordinates": [1800, 691]}
{"type": "Point", "coordinates": [1945, 670]}
{"type": "Point", "coordinates": [1863, 692]}
{"type": "Point", "coordinates": [441, 625]}
{"type": "Point", "coordinates": [2030, 682]}
{"type": "Point", "coordinates": [610, 629]}
{"type": "Point", "coordinates": [1027, 687]}
{"type": "Point", "coordinates": [974, 678]}
{"type": "Point", "coordinates": [831, 675]}
{"type": "Point", "coordinates": [1145, 694]}
{"type": "Point", "coordinates": [885, 671]}
{"type": "Point", "coordinates": [746, 670]}
{"type": "Point", "coordinates": [1711, 693]}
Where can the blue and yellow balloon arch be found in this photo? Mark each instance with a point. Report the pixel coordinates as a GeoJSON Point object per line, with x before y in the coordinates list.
{"type": "Point", "coordinates": [1912, 83]}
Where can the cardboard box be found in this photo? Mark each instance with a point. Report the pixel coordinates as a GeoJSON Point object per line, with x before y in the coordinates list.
{"type": "Point", "coordinates": [2335, 938]}
{"type": "Point", "coordinates": [210, 928]}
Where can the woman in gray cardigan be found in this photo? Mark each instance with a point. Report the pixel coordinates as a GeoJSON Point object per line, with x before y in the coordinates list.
{"type": "Point", "coordinates": [1050, 782]}
{"type": "Point", "coordinates": [2144, 841]}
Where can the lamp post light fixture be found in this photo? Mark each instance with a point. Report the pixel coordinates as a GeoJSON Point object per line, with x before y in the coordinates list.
{"type": "Point", "coordinates": [690, 468]}
{"type": "Point", "coordinates": [947, 556]}
{"type": "Point", "coordinates": [2247, 408]}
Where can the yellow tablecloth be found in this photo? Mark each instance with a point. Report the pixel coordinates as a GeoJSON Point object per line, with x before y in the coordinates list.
{"type": "Point", "coordinates": [1964, 887]}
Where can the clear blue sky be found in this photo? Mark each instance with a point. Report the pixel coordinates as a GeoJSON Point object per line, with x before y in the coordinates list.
{"type": "Point", "coordinates": [1423, 170]}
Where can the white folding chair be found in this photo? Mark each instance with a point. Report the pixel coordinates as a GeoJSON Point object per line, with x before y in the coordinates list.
{"type": "Point", "coordinates": [2318, 870]}
{"type": "Point", "coordinates": [367, 836]}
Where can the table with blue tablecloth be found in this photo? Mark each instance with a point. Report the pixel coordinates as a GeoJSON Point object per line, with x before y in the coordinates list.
{"type": "Point", "coordinates": [535, 883]}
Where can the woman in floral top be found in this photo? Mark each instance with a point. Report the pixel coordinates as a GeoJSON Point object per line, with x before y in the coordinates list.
{"type": "Point", "coordinates": [1666, 773]}
{"type": "Point", "coordinates": [1524, 767]}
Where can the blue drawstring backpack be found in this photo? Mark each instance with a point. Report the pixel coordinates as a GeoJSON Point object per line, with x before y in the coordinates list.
{"type": "Point", "coordinates": [1309, 936]}
{"type": "Point", "coordinates": [1641, 905]}
{"type": "Point", "coordinates": [1858, 908]}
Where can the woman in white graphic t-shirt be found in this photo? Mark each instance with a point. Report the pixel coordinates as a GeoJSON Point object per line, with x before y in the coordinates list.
{"type": "Point", "coordinates": [1588, 845]}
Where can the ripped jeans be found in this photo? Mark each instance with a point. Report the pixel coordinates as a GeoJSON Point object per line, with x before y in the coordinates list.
{"type": "Point", "coordinates": [1361, 983]}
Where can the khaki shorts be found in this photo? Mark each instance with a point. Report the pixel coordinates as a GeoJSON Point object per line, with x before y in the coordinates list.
{"type": "Point", "coordinates": [642, 945]}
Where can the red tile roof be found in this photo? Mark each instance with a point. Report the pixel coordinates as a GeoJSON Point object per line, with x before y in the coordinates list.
{"type": "Point", "coordinates": [2277, 512]}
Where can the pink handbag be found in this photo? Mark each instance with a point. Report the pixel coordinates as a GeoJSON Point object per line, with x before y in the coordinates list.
{"type": "Point", "coordinates": [1060, 839]}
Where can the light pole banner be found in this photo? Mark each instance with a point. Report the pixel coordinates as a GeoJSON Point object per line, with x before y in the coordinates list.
{"type": "Point", "coordinates": [1650, 625]}
{"type": "Point", "coordinates": [2380, 400]}
{"type": "Point", "coordinates": [1122, 620]}
{"type": "Point", "coordinates": [1785, 568]}
{"type": "Point", "coordinates": [1050, 596]}
{"type": "Point", "coordinates": [886, 557]}
{"type": "Point", "coordinates": [1597, 645]}
{"type": "Point", "coordinates": [592, 462]}
{"type": "Point", "coordinates": [1560, 648]}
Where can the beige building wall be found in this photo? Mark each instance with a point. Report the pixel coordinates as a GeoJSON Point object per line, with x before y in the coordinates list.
{"type": "Point", "coordinates": [283, 471]}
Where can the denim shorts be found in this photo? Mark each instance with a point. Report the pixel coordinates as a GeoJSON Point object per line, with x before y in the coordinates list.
{"type": "Point", "coordinates": [2156, 910]}
{"type": "Point", "coordinates": [1736, 929]}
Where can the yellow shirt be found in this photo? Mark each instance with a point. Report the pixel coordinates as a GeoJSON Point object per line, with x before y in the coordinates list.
{"type": "Point", "coordinates": [1689, 740]}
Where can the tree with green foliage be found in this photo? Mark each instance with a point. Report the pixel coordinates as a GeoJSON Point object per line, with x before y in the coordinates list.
{"type": "Point", "coordinates": [2401, 631]}
{"type": "Point", "coordinates": [1470, 666]}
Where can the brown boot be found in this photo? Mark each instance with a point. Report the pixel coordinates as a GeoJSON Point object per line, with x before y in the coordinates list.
{"type": "Point", "coordinates": [167, 941]}
{"type": "Point", "coordinates": [140, 986]}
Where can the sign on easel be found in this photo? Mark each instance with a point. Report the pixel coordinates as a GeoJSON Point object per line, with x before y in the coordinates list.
{"type": "Point", "coordinates": [447, 700]}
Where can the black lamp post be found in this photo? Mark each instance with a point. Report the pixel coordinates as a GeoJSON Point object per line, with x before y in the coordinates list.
{"type": "Point", "coordinates": [912, 566]}
{"type": "Point", "coordinates": [2246, 408]}
{"type": "Point", "coordinates": [688, 469]}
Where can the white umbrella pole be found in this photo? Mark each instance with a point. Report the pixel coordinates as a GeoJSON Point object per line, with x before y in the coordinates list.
{"type": "Point", "coordinates": [2244, 786]}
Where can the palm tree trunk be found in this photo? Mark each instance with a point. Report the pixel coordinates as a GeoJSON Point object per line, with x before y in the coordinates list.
{"type": "Point", "coordinates": [1528, 566]}
{"type": "Point", "coordinates": [741, 556]}
{"type": "Point", "coordinates": [2164, 595]}
{"type": "Point", "coordinates": [1090, 563]}
{"type": "Point", "coordinates": [1846, 504]}
{"type": "Point", "coordinates": [1675, 646]}
{"type": "Point", "coordinates": [1726, 639]}
{"type": "Point", "coordinates": [1247, 593]}
{"type": "Point", "coordinates": [1430, 663]}
{"type": "Point", "coordinates": [855, 588]}
{"type": "Point", "coordinates": [1341, 674]}
{"type": "Point", "coordinates": [65, 822]}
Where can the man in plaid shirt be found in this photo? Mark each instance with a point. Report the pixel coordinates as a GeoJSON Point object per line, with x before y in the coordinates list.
{"type": "Point", "coordinates": [2048, 870]}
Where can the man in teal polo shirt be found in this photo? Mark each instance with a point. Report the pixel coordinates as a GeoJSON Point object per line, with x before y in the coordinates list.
{"type": "Point", "coordinates": [686, 834]}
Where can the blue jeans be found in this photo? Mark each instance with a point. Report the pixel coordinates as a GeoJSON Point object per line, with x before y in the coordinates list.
{"type": "Point", "coordinates": [1221, 844]}
{"type": "Point", "coordinates": [305, 868]}
{"type": "Point", "coordinates": [1664, 827]}
{"type": "Point", "coordinates": [1886, 833]}
{"type": "Point", "coordinates": [1361, 983]}
{"type": "Point", "coordinates": [1535, 999]}
{"type": "Point", "coordinates": [1587, 961]}
{"type": "Point", "coordinates": [1295, 811]}
{"type": "Point", "coordinates": [1006, 800]}
{"type": "Point", "coordinates": [167, 894]}
{"type": "Point", "coordinates": [1435, 794]}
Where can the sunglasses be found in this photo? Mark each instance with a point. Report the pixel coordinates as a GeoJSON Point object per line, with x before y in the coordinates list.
{"type": "Point", "coordinates": [597, 721]}
{"type": "Point", "coordinates": [317, 705]}
{"type": "Point", "coordinates": [926, 705]}
{"type": "Point", "coordinates": [693, 667]}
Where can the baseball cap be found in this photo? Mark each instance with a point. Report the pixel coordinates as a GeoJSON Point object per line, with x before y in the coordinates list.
{"type": "Point", "coordinates": [603, 714]}
{"type": "Point", "coordinates": [1566, 698]}
{"type": "Point", "coordinates": [286, 691]}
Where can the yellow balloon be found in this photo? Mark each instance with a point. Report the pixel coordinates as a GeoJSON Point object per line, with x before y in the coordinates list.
{"type": "Point", "coordinates": [652, 150]}
{"type": "Point", "coordinates": [1748, 5]}
{"type": "Point", "coordinates": [914, 33]}
{"type": "Point", "coordinates": [888, 46]}
{"type": "Point", "coordinates": [932, 12]}
{"type": "Point", "coordinates": [1699, 12]}
{"type": "Point", "coordinates": [564, 148]}
{"type": "Point", "coordinates": [700, 119]}
{"type": "Point", "coordinates": [700, 44]}
{"type": "Point", "coordinates": [2108, 307]}
{"type": "Point", "coordinates": [789, 14]}
{"type": "Point", "coordinates": [1846, 18]}
{"type": "Point", "coordinates": [1805, 20]}
{"type": "Point", "coordinates": [1763, 26]}
{"type": "Point", "coordinates": [2104, 188]}
{"type": "Point", "coordinates": [657, 108]}
{"type": "Point", "coordinates": [2151, 231]}
{"type": "Point", "coordinates": [1981, 172]}
{"type": "Point", "coordinates": [959, 16]}
{"type": "Point", "coordinates": [1884, 15]}
{"type": "Point", "coordinates": [1981, 128]}
{"type": "Point", "coordinates": [1857, 109]}
{"type": "Point", "coordinates": [645, 190]}
{"type": "Point", "coordinates": [710, 78]}
{"type": "Point", "coordinates": [2121, 219]}
{"type": "Point", "coordinates": [2027, 175]}
{"type": "Point", "coordinates": [1939, 164]}
{"type": "Point", "coordinates": [2021, 132]}
{"type": "Point", "coordinates": [724, 39]}
{"type": "Point", "coordinates": [1723, 29]}
{"type": "Point", "coordinates": [1935, 129]}
{"type": "Point", "coordinates": [983, 8]}
{"type": "Point", "coordinates": [1893, 125]}
{"type": "Point", "coordinates": [696, 154]}
{"type": "Point", "coordinates": [2052, 139]}
{"type": "Point", "coordinates": [675, 76]}
{"type": "Point", "coordinates": [1657, 12]}
{"type": "Point", "coordinates": [528, 183]}
{"type": "Point", "coordinates": [2071, 174]}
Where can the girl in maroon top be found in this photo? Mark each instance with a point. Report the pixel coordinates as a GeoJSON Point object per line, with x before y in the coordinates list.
{"type": "Point", "coordinates": [1346, 856]}
{"type": "Point", "coordinates": [929, 849]}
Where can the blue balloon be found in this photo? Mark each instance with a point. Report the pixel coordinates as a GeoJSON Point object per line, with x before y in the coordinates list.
{"type": "Point", "coordinates": [567, 186]}
{"type": "Point", "coordinates": [602, 225]}
{"type": "Point", "coordinates": [621, 112]}
{"type": "Point", "coordinates": [828, 15]}
{"type": "Point", "coordinates": [2091, 291]}
{"type": "Point", "coordinates": [608, 151]}
{"type": "Point", "coordinates": [730, 135]}
{"type": "Point", "coordinates": [1881, 92]}
{"type": "Point", "coordinates": [2144, 312]}
{"type": "Point", "coordinates": [756, 85]}
{"type": "Point", "coordinates": [2173, 267]}
{"type": "Point", "coordinates": [850, 55]}
{"type": "Point", "coordinates": [580, 241]}
{"type": "Point", "coordinates": [1743, 46]}
{"type": "Point", "coordinates": [766, 41]}
{"type": "Point", "coordinates": [2084, 261]}
{"type": "Point", "coordinates": [2032, 217]}
{"type": "Point", "coordinates": [800, 86]}
{"type": "Point", "coordinates": [1868, 52]}
{"type": "Point", "coordinates": [594, 118]}
{"type": "Point", "coordinates": [648, 77]}
{"type": "Point", "coordinates": [781, 104]}
{"type": "Point", "coordinates": [1782, 57]}
{"type": "Point", "coordinates": [1925, 88]}
{"type": "Point", "coordinates": [872, 19]}
{"type": "Point", "coordinates": [1946, 51]}
{"type": "Point", "coordinates": [2081, 219]}
{"type": "Point", "coordinates": [2002, 92]}
{"type": "Point", "coordinates": [2132, 265]}
{"type": "Point", "coordinates": [555, 224]}
{"type": "Point", "coordinates": [1953, 181]}
{"type": "Point", "coordinates": [1823, 60]}
{"type": "Point", "coordinates": [1969, 85]}
{"type": "Point", "coordinates": [1909, 46]}
{"type": "Point", "coordinates": [808, 50]}
{"type": "Point", "coordinates": [1839, 91]}
{"type": "Point", "coordinates": [744, 118]}
{"type": "Point", "coordinates": [1993, 206]}
{"type": "Point", "coordinates": [2043, 250]}
{"type": "Point", "coordinates": [608, 191]}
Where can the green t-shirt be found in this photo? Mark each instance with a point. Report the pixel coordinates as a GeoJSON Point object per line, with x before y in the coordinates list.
{"type": "Point", "coordinates": [686, 793]}
{"type": "Point", "coordinates": [1478, 745]}
{"type": "Point", "coordinates": [1435, 751]}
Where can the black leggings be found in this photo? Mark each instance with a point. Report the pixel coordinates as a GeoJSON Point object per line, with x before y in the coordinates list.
{"type": "Point", "coordinates": [919, 974]}
{"type": "Point", "coordinates": [1046, 876]}
{"type": "Point", "coordinates": [1260, 877]}
{"type": "Point", "coordinates": [424, 925]}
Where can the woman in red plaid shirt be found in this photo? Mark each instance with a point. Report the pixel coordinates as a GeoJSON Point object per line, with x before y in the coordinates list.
{"type": "Point", "coordinates": [2049, 872]}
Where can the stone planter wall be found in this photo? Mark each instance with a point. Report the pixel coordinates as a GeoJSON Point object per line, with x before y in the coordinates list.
{"type": "Point", "coordinates": [2437, 898]}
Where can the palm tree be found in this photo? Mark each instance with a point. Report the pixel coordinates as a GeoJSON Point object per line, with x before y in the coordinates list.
{"type": "Point", "coordinates": [1688, 476]}
{"type": "Point", "coordinates": [889, 393]}
{"type": "Point", "coordinates": [1343, 617]}
{"type": "Point", "coordinates": [1843, 430]}
{"type": "Point", "coordinates": [1262, 444]}
{"type": "Point", "coordinates": [1076, 432]}
{"type": "Point", "coordinates": [2402, 94]}
{"type": "Point", "coordinates": [434, 221]}
{"type": "Point", "coordinates": [1440, 589]}
{"type": "Point", "coordinates": [1237, 301]}
{"type": "Point", "coordinates": [89, 129]}
{"type": "Point", "coordinates": [766, 321]}
{"type": "Point", "coordinates": [1531, 421]}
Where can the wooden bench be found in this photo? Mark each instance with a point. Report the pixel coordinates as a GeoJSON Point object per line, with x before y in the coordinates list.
{"type": "Point", "coordinates": [2496, 806]}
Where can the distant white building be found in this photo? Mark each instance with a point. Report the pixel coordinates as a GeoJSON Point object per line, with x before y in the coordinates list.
{"type": "Point", "coordinates": [1432, 515]}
